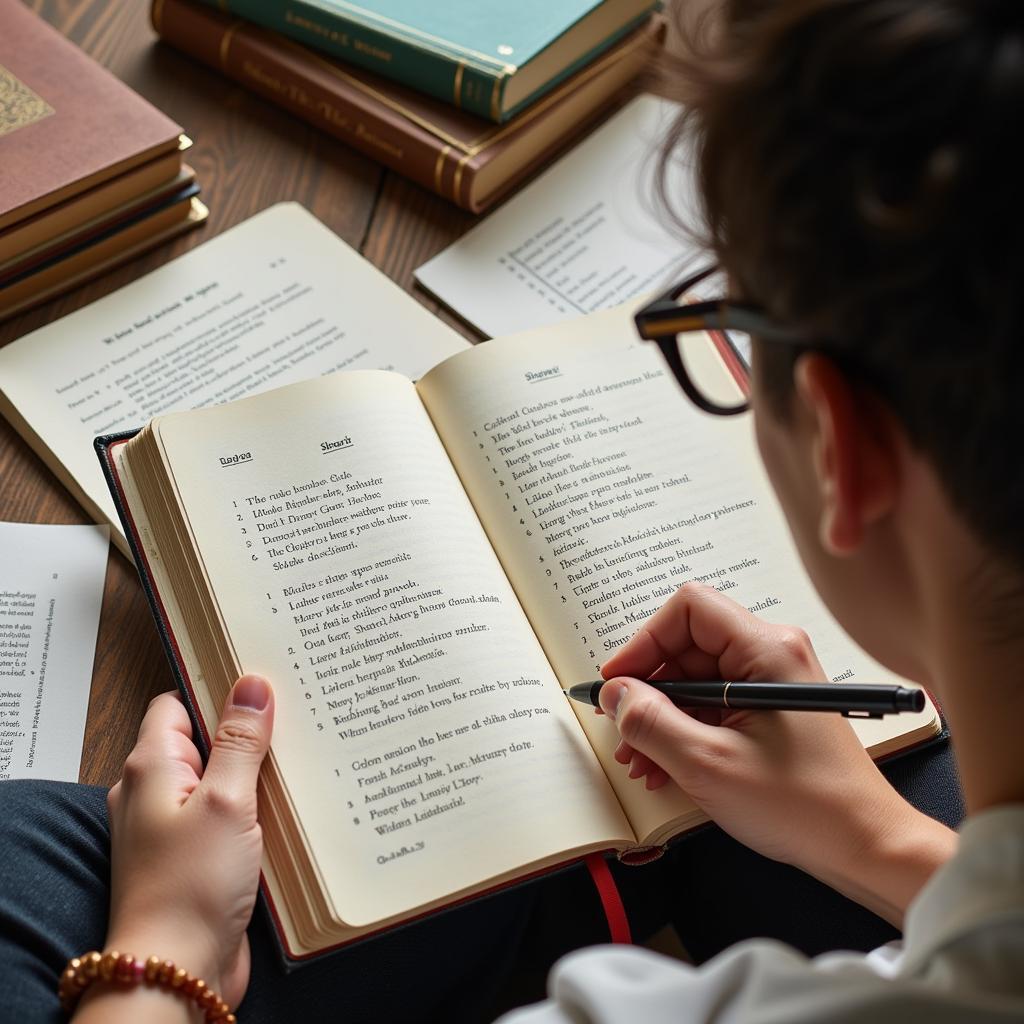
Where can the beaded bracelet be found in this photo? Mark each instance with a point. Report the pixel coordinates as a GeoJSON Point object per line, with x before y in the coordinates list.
{"type": "Point", "coordinates": [124, 970]}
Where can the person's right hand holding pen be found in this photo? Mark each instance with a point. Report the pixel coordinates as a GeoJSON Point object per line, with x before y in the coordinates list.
{"type": "Point", "coordinates": [795, 786]}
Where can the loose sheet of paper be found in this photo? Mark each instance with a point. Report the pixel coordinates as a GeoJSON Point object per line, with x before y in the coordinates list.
{"type": "Point", "coordinates": [51, 589]}
{"type": "Point", "coordinates": [585, 236]}
{"type": "Point", "coordinates": [277, 299]}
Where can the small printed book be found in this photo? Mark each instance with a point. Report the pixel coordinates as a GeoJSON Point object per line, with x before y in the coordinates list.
{"type": "Point", "coordinates": [420, 568]}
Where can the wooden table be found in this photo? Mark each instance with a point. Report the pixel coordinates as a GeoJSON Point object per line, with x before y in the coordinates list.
{"type": "Point", "coordinates": [247, 155]}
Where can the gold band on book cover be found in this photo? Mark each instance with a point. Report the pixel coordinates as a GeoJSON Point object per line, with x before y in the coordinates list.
{"type": "Point", "coordinates": [457, 179]}
{"type": "Point", "coordinates": [225, 43]}
{"type": "Point", "coordinates": [439, 168]}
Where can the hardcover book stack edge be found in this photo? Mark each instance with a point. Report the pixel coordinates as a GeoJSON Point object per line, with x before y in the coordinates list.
{"type": "Point", "coordinates": [488, 57]}
{"type": "Point", "coordinates": [449, 151]}
{"type": "Point", "coordinates": [90, 173]}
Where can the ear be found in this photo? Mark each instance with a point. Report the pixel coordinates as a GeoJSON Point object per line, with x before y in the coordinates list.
{"type": "Point", "coordinates": [853, 449]}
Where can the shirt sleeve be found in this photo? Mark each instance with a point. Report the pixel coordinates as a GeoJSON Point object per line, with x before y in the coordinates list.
{"type": "Point", "coordinates": [755, 982]}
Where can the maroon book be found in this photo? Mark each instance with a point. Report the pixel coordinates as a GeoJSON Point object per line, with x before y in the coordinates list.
{"type": "Point", "coordinates": [66, 124]}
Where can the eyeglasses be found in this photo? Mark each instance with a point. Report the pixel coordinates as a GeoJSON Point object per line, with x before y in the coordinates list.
{"type": "Point", "coordinates": [714, 376]}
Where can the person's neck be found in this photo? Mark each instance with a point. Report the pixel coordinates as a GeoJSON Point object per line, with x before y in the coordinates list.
{"type": "Point", "coordinates": [958, 609]}
{"type": "Point", "coordinates": [978, 676]}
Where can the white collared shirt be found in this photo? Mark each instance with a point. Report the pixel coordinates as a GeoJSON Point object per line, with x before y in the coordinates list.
{"type": "Point", "coordinates": [961, 961]}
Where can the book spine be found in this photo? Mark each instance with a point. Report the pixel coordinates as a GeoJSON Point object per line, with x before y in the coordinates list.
{"type": "Point", "coordinates": [309, 87]}
{"type": "Point", "coordinates": [458, 79]}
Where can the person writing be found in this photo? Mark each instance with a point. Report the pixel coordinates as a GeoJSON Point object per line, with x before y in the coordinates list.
{"type": "Point", "coordinates": [852, 161]}
{"type": "Point", "coordinates": [848, 157]}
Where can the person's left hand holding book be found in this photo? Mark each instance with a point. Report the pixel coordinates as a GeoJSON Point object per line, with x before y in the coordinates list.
{"type": "Point", "coordinates": [185, 852]}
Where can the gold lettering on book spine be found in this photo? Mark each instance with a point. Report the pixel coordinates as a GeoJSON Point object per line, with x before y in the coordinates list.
{"type": "Point", "coordinates": [19, 105]}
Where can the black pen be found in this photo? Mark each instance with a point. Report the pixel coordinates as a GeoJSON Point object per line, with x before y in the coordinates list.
{"type": "Point", "coordinates": [853, 700]}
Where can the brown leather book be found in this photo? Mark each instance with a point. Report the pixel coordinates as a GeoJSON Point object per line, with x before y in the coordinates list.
{"type": "Point", "coordinates": [461, 157]}
{"type": "Point", "coordinates": [66, 124]}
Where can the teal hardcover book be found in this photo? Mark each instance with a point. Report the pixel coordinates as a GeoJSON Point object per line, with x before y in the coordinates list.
{"type": "Point", "coordinates": [489, 57]}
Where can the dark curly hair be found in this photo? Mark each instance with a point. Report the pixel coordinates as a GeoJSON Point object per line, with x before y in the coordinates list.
{"type": "Point", "coordinates": [858, 166]}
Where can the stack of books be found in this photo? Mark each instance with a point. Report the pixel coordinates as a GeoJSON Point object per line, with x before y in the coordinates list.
{"type": "Point", "coordinates": [467, 98]}
{"type": "Point", "coordinates": [90, 173]}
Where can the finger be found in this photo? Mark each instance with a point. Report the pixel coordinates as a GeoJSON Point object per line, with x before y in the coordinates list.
{"type": "Point", "coordinates": [667, 670]}
{"type": "Point", "coordinates": [651, 725]}
{"type": "Point", "coordinates": [742, 646]}
{"type": "Point", "coordinates": [165, 714]}
{"type": "Point", "coordinates": [184, 750]}
{"type": "Point", "coordinates": [240, 743]}
{"type": "Point", "coordinates": [695, 616]}
{"type": "Point", "coordinates": [164, 757]}
{"type": "Point", "coordinates": [697, 664]}
{"type": "Point", "coordinates": [709, 716]}
{"type": "Point", "coordinates": [657, 778]}
{"type": "Point", "coordinates": [640, 765]}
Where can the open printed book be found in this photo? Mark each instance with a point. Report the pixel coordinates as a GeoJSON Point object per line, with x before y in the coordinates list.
{"type": "Point", "coordinates": [419, 569]}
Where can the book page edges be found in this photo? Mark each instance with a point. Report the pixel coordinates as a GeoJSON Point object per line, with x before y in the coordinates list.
{"type": "Point", "coordinates": [185, 662]}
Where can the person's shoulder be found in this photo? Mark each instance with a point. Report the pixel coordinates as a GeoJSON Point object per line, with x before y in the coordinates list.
{"type": "Point", "coordinates": [968, 920]}
{"type": "Point", "coordinates": [755, 981]}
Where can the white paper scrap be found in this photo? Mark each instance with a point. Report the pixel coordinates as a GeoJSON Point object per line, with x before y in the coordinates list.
{"type": "Point", "coordinates": [586, 235]}
{"type": "Point", "coordinates": [51, 590]}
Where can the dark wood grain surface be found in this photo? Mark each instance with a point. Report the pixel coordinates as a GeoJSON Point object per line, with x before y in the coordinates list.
{"type": "Point", "coordinates": [247, 155]}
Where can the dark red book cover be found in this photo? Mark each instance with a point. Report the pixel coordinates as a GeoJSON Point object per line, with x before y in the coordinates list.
{"type": "Point", "coordinates": [66, 124]}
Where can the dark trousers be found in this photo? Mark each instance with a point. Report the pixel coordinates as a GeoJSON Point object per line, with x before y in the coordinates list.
{"type": "Point", "coordinates": [466, 964]}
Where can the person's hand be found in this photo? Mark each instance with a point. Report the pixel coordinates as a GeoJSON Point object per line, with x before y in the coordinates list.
{"type": "Point", "coordinates": [796, 786]}
{"type": "Point", "coordinates": [186, 846]}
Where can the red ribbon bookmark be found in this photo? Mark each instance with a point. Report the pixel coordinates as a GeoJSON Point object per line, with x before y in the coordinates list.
{"type": "Point", "coordinates": [611, 901]}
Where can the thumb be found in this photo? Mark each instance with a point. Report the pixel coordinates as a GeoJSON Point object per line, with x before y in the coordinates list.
{"type": "Point", "coordinates": [242, 739]}
{"type": "Point", "coordinates": [652, 725]}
